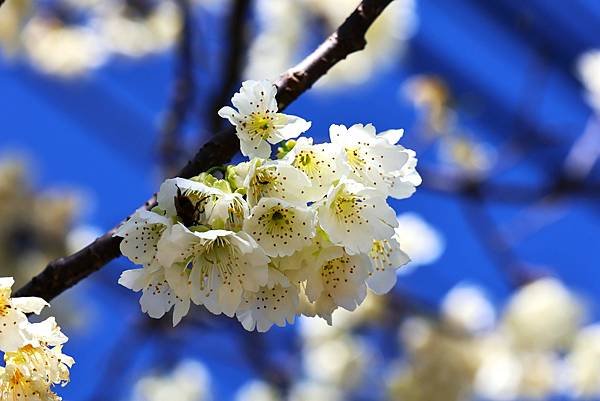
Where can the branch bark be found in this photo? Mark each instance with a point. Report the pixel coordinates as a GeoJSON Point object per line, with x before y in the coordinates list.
{"type": "Point", "coordinates": [63, 273]}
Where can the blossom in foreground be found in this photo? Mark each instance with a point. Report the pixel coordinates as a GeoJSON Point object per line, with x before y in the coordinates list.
{"type": "Point", "coordinates": [322, 163]}
{"type": "Point", "coordinates": [376, 160]}
{"type": "Point", "coordinates": [386, 257]}
{"type": "Point", "coordinates": [274, 303]}
{"type": "Point", "coordinates": [223, 264]}
{"type": "Point", "coordinates": [279, 227]}
{"type": "Point", "coordinates": [33, 358]}
{"type": "Point", "coordinates": [157, 295]}
{"type": "Point", "coordinates": [276, 180]}
{"type": "Point", "coordinates": [354, 215]}
{"type": "Point", "coordinates": [13, 319]}
{"type": "Point", "coordinates": [268, 240]}
{"type": "Point", "coordinates": [140, 236]}
{"type": "Point", "coordinates": [338, 282]}
{"type": "Point", "coordinates": [256, 120]}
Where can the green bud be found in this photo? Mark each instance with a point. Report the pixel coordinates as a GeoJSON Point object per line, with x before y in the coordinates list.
{"type": "Point", "coordinates": [285, 148]}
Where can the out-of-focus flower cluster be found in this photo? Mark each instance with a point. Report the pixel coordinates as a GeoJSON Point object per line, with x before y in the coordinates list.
{"type": "Point", "coordinates": [535, 348]}
{"type": "Point", "coordinates": [33, 358]}
{"type": "Point", "coordinates": [70, 37]}
{"type": "Point", "coordinates": [458, 149]}
{"type": "Point", "coordinates": [36, 227]}
{"type": "Point", "coordinates": [282, 37]}
{"type": "Point", "coordinates": [189, 381]}
{"type": "Point", "coordinates": [266, 240]}
{"type": "Point", "coordinates": [588, 68]}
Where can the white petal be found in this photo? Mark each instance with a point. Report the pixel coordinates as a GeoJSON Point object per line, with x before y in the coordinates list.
{"type": "Point", "coordinates": [12, 335]}
{"type": "Point", "coordinates": [289, 127]}
{"type": "Point", "coordinates": [252, 149]}
{"type": "Point", "coordinates": [134, 279]}
{"type": "Point", "coordinates": [392, 135]}
{"type": "Point", "coordinates": [29, 304]}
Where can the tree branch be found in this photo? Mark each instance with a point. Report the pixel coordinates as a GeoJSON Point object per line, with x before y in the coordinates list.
{"type": "Point", "coordinates": [63, 273]}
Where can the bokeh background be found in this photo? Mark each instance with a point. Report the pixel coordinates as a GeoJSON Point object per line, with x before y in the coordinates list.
{"type": "Point", "coordinates": [100, 100]}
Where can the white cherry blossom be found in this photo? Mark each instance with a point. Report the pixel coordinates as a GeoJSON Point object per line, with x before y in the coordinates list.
{"type": "Point", "coordinates": [223, 264]}
{"type": "Point", "coordinates": [275, 303]}
{"type": "Point", "coordinates": [340, 281]}
{"type": "Point", "coordinates": [13, 317]}
{"type": "Point", "coordinates": [140, 235]}
{"type": "Point", "coordinates": [47, 332]}
{"type": "Point", "coordinates": [277, 180]}
{"type": "Point", "coordinates": [256, 120]}
{"type": "Point", "coordinates": [353, 215]}
{"type": "Point", "coordinates": [386, 257]}
{"type": "Point", "coordinates": [33, 369]}
{"type": "Point", "coordinates": [376, 160]}
{"type": "Point", "coordinates": [157, 295]}
{"type": "Point", "coordinates": [322, 164]}
{"type": "Point", "coordinates": [228, 212]}
{"type": "Point", "coordinates": [279, 227]}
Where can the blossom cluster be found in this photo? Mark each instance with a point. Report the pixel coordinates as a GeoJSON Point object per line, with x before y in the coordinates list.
{"type": "Point", "coordinates": [33, 358]}
{"type": "Point", "coordinates": [102, 30]}
{"type": "Point", "coordinates": [268, 239]}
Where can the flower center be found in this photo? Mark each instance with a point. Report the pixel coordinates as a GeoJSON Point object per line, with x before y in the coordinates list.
{"type": "Point", "coordinates": [354, 157]}
{"type": "Point", "coordinates": [347, 207]}
{"type": "Point", "coordinates": [266, 183]}
{"type": "Point", "coordinates": [221, 256]}
{"type": "Point", "coordinates": [308, 163]}
{"type": "Point", "coordinates": [260, 125]}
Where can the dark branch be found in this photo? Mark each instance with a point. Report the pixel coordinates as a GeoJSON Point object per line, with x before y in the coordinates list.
{"type": "Point", "coordinates": [233, 62]}
{"type": "Point", "coordinates": [63, 273]}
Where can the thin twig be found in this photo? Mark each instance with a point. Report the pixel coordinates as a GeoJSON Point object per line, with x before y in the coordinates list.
{"type": "Point", "coordinates": [63, 273]}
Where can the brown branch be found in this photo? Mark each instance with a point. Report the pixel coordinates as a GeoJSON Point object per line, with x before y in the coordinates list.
{"type": "Point", "coordinates": [233, 63]}
{"type": "Point", "coordinates": [63, 273]}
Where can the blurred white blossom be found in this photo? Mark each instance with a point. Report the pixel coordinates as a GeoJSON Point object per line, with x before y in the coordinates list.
{"type": "Point", "coordinates": [189, 381]}
{"type": "Point", "coordinates": [466, 307]}
{"type": "Point", "coordinates": [543, 315]}
{"type": "Point", "coordinates": [419, 240]}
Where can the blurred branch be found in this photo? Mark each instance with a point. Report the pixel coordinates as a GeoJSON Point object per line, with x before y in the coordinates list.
{"type": "Point", "coordinates": [474, 187]}
{"type": "Point", "coordinates": [182, 97]}
{"type": "Point", "coordinates": [504, 258]}
{"type": "Point", "coordinates": [63, 273]}
{"type": "Point", "coordinates": [233, 62]}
